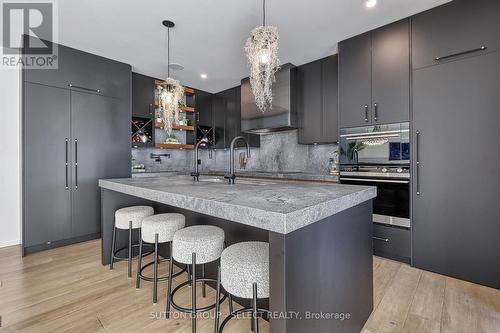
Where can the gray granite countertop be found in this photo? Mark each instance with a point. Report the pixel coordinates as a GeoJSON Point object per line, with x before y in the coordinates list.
{"type": "Point", "coordinates": [286, 175]}
{"type": "Point", "coordinates": [277, 206]}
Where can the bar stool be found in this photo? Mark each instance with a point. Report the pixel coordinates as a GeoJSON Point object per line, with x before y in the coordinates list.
{"type": "Point", "coordinates": [128, 218]}
{"type": "Point", "coordinates": [194, 245]}
{"type": "Point", "coordinates": [244, 273]}
{"type": "Point", "coordinates": [157, 229]}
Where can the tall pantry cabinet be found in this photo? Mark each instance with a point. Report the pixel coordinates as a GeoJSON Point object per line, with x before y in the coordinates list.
{"type": "Point", "coordinates": [76, 130]}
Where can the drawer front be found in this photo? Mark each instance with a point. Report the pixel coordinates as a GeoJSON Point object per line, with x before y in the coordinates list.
{"type": "Point", "coordinates": [391, 242]}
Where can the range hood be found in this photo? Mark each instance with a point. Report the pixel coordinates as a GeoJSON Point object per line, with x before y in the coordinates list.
{"type": "Point", "coordinates": [282, 116]}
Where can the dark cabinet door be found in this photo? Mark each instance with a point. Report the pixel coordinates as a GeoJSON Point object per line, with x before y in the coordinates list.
{"type": "Point", "coordinates": [101, 149]}
{"type": "Point", "coordinates": [391, 73]}
{"type": "Point", "coordinates": [233, 118]}
{"type": "Point", "coordinates": [309, 102]}
{"type": "Point", "coordinates": [85, 71]}
{"type": "Point", "coordinates": [46, 160]}
{"type": "Point", "coordinates": [456, 27]}
{"type": "Point", "coordinates": [204, 108]}
{"type": "Point", "coordinates": [456, 215]}
{"type": "Point", "coordinates": [355, 81]}
{"type": "Point", "coordinates": [329, 96]}
{"type": "Point", "coordinates": [219, 114]}
{"type": "Point", "coordinates": [143, 95]}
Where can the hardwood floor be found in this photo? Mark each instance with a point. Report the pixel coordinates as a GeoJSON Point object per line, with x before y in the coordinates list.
{"type": "Point", "coordinates": [68, 290]}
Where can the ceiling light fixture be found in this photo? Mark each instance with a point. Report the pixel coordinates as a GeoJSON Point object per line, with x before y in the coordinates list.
{"type": "Point", "coordinates": [370, 3]}
{"type": "Point", "coordinates": [261, 49]}
{"type": "Point", "coordinates": [171, 91]}
{"type": "Point", "coordinates": [203, 76]}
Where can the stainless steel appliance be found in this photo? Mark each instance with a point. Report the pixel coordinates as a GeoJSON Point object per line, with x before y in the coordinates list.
{"type": "Point", "coordinates": [379, 156]}
{"type": "Point", "coordinates": [282, 116]}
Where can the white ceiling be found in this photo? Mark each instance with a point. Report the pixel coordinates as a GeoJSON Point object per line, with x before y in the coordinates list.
{"type": "Point", "coordinates": [210, 34]}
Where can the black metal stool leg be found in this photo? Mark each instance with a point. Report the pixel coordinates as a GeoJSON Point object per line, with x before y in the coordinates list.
{"type": "Point", "coordinates": [113, 248]}
{"type": "Point", "coordinates": [139, 264]}
{"type": "Point", "coordinates": [155, 272]}
{"type": "Point", "coordinates": [231, 309]}
{"type": "Point", "coordinates": [217, 302]}
{"type": "Point", "coordinates": [130, 249]}
{"type": "Point", "coordinates": [169, 289]}
{"type": "Point", "coordinates": [193, 294]}
{"type": "Point", "coordinates": [203, 284]}
{"type": "Point", "coordinates": [254, 312]}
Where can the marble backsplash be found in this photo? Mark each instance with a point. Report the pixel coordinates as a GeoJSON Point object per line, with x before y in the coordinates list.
{"type": "Point", "coordinates": [278, 152]}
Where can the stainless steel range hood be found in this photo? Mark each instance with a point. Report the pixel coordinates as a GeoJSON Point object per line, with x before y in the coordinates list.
{"type": "Point", "coordinates": [282, 116]}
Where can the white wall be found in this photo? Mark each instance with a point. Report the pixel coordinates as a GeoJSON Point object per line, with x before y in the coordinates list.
{"type": "Point", "coordinates": [10, 166]}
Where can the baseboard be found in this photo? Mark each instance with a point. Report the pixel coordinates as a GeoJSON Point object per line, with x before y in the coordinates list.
{"type": "Point", "coordinates": [59, 243]}
{"type": "Point", "coordinates": [10, 243]}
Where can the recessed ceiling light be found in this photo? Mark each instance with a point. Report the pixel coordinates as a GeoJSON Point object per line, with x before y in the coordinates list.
{"type": "Point", "coordinates": [203, 76]}
{"type": "Point", "coordinates": [371, 3]}
{"type": "Point", "coordinates": [176, 66]}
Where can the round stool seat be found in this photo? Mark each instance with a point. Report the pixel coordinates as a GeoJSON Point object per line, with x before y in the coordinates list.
{"type": "Point", "coordinates": [205, 240]}
{"type": "Point", "coordinates": [165, 225]}
{"type": "Point", "coordinates": [243, 264]}
{"type": "Point", "coordinates": [136, 214]}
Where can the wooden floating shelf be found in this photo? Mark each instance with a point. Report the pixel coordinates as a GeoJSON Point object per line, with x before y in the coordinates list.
{"type": "Point", "coordinates": [173, 146]}
{"type": "Point", "coordinates": [181, 108]}
{"type": "Point", "coordinates": [177, 127]}
{"type": "Point", "coordinates": [187, 90]}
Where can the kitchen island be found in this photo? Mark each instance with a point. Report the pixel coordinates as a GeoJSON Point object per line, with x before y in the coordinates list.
{"type": "Point", "coordinates": [319, 234]}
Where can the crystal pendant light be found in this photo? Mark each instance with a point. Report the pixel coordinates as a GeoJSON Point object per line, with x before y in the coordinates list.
{"type": "Point", "coordinates": [171, 91]}
{"type": "Point", "coordinates": [261, 49]}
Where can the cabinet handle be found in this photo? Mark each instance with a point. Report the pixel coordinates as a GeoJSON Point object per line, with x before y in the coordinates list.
{"type": "Point", "coordinates": [482, 48]}
{"type": "Point", "coordinates": [76, 163]}
{"type": "Point", "coordinates": [381, 239]}
{"type": "Point", "coordinates": [83, 88]}
{"type": "Point", "coordinates": [366, 112]}
{"type": "Point", "coordinates": [375, 111]}
{"type": "Point", "coordinates": [150, 108]}
{"type": "Point", "coordinates": [417, 159]}
{"type": "Point", "coordinates": [66, 163]}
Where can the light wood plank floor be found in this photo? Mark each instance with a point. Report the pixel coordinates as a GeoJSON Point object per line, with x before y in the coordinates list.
{"type": "Point", "coordinates": [68, 290]}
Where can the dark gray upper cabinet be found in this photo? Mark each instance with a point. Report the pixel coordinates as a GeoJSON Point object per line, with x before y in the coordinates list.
{"type": "Point", "coordinates": [330, 106]}
{"type": "Point", "coordinates": [86, 72]}
{"type": "Point", "coordinates": [317, 102]}
{"type": "Point", "coordinates": [143, 96]}
{"type": "Point", "coordinates": [309, 102]}
{"type": "Point", "coordinates": [204, 108]}
{"type": "Point", "coordinates": [226, 107]}
{"type": "Point", "coordinates": [355, 81]}
{"type": "Point", "coordinates": [455, 217]}
{"type": "Point", "coordinates": [391, 73]}
{"type": "Point", "coordinates": [374, 76]}
{"type": "Point", "coordinates": [219, 114]}
{"type": "Point", "coordinates": [455, 30]}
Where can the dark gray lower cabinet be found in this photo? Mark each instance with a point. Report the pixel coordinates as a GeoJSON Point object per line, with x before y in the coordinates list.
{"type": "Point", "coordinates": [71, 139]}
{"type": "Point", "coordinates": [46, 177]}
{"type": "Point", "coordinates": [456, 211]}
{"type": "Point", "coordinates": [392, 242]}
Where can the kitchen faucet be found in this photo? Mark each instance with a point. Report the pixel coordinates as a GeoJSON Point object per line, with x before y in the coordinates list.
{"type": "Point", "coordinates": [202, 142]}
{"type": "Point", "coordinates": [231, 176]}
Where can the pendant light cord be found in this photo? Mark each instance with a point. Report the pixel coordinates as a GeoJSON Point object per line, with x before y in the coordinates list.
{"type": "Point", "coordinates": [264, 13]}
{"type": "Point", "coordinates": [168, 52]}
